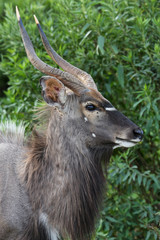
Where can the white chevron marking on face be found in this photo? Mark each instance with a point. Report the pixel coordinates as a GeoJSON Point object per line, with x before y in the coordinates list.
{"type": "Point", "coordinates": [110, 109]}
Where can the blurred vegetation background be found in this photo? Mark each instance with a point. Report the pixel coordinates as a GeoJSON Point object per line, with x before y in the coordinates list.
{"type": "Point", "coordinates": [118, 43]}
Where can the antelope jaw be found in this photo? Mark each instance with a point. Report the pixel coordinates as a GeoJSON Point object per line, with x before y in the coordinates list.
{"type": "Point", "coordinates": [125, 143]}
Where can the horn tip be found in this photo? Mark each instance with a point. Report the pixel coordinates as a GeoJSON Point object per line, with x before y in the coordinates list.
{"type": "Point", "coordinates": [36, 20]}
{"type": "Point", "coordinates": [17, 13]}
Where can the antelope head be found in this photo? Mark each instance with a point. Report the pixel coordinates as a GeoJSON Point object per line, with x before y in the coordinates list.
{"type": "Point", "coordinates": [102, 123]}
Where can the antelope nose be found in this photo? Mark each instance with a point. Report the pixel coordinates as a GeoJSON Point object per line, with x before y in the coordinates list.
{"type": "Point", "coordinates": [138, 133]}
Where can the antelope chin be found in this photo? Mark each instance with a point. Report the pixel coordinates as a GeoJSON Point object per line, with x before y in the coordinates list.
{"type": "Point", "coordinates": [125, 143]}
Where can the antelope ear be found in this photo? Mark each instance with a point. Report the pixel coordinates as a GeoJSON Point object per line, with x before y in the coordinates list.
{"type": "Point", "coordinates": [53, 91]}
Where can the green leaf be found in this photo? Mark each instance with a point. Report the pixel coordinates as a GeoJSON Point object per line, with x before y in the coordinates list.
{"type": "Point", "coordinates": [86, 35]}
{"type": "Point", "coordinates": [138, 102]}
{"type": "Point", "coordinates": [115, 49]}
{"type": "Point", "coordinates": [120, 74]}
{"type": "Point", "coordinates": [148, 184]}
{"type": "Point", "coordinates": [134, 175]}
{"type": "Point", "coordinates": [111, 219]}
{"type": "Point", "coordinates": [85, 27]}
{"type": "Point", "coordinates": [101, 43]}
{"type": "Point", "coordinates": [108, 87]}
{"type": "Point", "coordinates": [155, 181]}
{"type": "Point", "coordinates": [139, 179]}
{"type": "Point", "coordinates": [126, 176]}
{"type": "Point", "coordinates": [144, 181]}
{"type": "Point", "coordinates": [148, 235]}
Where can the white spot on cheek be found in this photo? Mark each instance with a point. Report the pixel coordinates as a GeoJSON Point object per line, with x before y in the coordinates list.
{"type": "Point", "coordinates": [110, 109]}
{"type": "Point", "coordinates": [85, 119]}
{"type": "Point", "coordinates": [93, 135]}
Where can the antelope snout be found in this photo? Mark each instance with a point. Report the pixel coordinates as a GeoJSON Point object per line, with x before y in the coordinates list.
{"type": "Point", "coordinates": [138, 133]}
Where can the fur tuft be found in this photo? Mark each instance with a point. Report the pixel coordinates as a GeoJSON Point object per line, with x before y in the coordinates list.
{"type": "Point", "coordinates": [11, 133]}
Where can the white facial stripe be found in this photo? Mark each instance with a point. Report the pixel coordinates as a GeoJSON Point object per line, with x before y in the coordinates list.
{"type": "Point", "coordinates": [110, 109]}
{"type": "Point", "coordinates": [137, 140]}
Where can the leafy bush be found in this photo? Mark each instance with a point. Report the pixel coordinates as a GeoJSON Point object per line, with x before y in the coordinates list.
{"type": "Point", "coordinates": [117, 42]}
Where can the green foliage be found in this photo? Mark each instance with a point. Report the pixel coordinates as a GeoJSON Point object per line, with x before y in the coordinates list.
{"type": "Point", "coordinates": [131, 200]}
{"type": "Point", "coordinates": [117, 42]}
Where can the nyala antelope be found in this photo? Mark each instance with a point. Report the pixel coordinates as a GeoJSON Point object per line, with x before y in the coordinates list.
{"type": "Point", "coordinates": [51, 185]}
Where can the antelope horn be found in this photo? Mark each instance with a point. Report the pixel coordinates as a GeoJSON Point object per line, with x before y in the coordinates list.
{"type": "Point", "coordinates": [84, 77]}
{"type": "Point", "coordinates": [66, 78]}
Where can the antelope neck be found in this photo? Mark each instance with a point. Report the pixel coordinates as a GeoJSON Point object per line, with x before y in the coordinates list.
{"type": "Point", "coordinates": [68, 181]}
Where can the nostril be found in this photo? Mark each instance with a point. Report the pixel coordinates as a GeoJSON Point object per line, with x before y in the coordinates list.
{"type": "Point", "coordinates": [138, 133]}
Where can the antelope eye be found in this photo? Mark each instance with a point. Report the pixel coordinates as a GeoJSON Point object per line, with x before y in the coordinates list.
{"type": "Point", "coordinates": [90, 107]}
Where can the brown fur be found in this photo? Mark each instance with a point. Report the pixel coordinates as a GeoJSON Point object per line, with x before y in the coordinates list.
{"type": "Point", "coordinates": [52, 89]}
{"type": "Point", "coordinates": [96, 95]}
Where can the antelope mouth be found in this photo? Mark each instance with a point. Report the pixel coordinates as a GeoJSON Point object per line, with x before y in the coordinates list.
{"type": "Point", "coordinates": [126, 143]}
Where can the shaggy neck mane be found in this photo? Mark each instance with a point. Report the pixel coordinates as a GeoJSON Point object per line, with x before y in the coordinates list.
{"type": "Point", "coordinates": [64, 178]}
